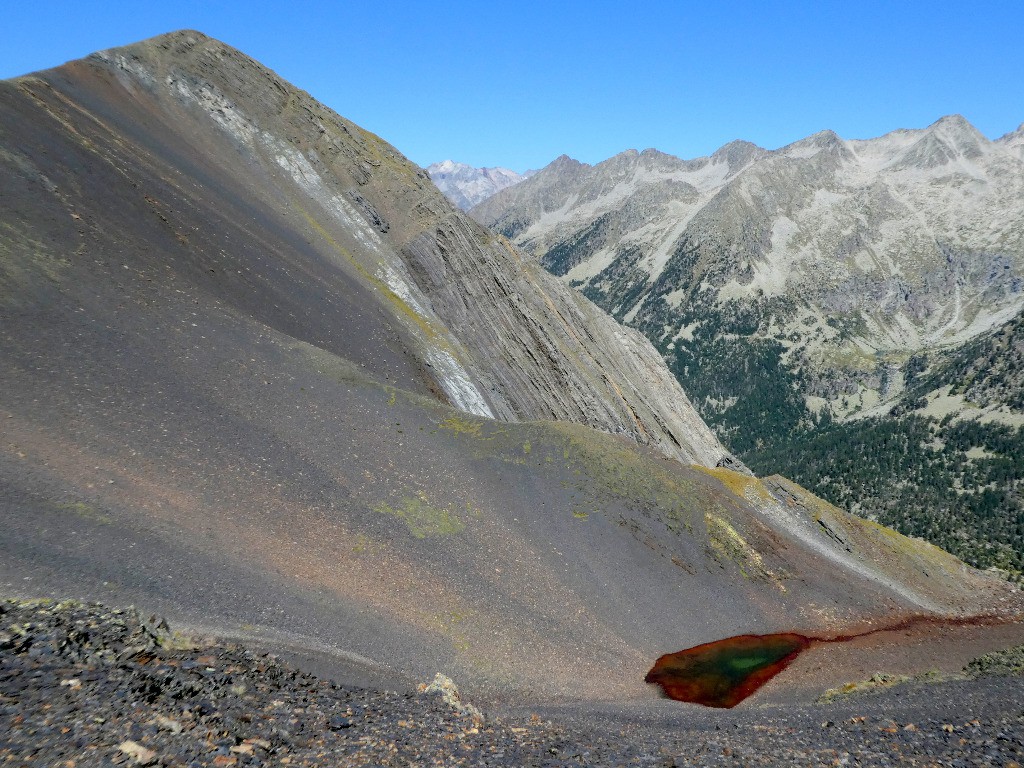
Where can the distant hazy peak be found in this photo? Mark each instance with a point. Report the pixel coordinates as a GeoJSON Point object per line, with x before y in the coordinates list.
{"type": "Point", "coordinates": [467, 186]}
{"type": "Point", "coordinates": [448, 166]}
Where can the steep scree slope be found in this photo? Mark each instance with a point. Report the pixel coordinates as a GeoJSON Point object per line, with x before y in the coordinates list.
{"type": "Point", "coordinates": [247, 358]}
{"type": "Point", "coordinates": [208, 159]}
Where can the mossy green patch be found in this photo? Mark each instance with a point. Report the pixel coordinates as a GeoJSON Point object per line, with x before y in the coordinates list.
{"type": "Point", "coordinates": [421, 518]}
{"type": "Point", "coordinates": [878, 681]}
{"type": "Point", "coordinates": [86, 512]}
{"type": "Point", "coordinates": [462, 425]}
{"type": "Point", "coordinates": [1006, 662]}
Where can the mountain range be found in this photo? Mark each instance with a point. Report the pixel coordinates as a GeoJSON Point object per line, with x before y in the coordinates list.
{"type": "Point", "coordinates": [467, 186]}
{"type": "Point", "coordinates": [804, 286]}
{"type": "Point", "coordinates": [258, 374]}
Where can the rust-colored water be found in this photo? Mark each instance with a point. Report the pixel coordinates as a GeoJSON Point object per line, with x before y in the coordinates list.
{"type": "Point", "coordinates": [725, 672]}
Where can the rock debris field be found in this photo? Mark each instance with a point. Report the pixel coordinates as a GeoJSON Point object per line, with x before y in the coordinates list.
{"type": "Point", "coordinates": [85, 685]}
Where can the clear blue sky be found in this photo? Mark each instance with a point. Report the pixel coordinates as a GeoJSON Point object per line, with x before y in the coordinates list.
{"type": "Point", "coordinates": [516, 84]}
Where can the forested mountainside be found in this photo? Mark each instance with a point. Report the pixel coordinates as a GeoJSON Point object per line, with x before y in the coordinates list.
{"type": "Point", "coordinates": [944, 461]}
{"type": "Point", "coordinates": [804, 288]}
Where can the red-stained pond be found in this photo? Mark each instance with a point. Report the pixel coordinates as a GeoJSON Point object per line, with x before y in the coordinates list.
{"type": "Point", "coordinates": [725, 672]}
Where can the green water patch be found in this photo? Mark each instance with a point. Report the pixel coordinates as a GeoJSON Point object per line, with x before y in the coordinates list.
{"type": "Point", "coordinates": [725, 672]}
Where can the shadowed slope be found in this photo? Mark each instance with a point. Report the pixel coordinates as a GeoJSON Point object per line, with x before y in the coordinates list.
{"type": "Point", "coordinates": [230, 345]}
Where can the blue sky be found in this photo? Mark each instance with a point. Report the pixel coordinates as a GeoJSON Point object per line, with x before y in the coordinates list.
{"type": "Point", "coordinates": [516, 84]}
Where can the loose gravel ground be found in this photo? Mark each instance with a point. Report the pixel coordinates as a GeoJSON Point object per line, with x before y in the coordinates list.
{"type": "Point", "coordinates": [84, 685]}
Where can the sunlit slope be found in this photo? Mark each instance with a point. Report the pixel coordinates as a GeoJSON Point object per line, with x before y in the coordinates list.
{"type": "Point", "coordinates": [217, 401]}
{"type": "Point", "coordinates": [311, 500]}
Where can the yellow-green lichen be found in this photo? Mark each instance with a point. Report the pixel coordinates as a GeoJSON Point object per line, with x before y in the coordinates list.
{"type": "Point", "coordinates": [744, 486]}
{"type": "Point", "coordinates": [461, 425]}
{"type": "Point", "coordinates": [727, 545]}
{"type": "Point", "coordinates": [421, 518]}
{"type": "Point", "coordinates": [876, 682]}
{"type": "Point", "coordinates": [86, 512]}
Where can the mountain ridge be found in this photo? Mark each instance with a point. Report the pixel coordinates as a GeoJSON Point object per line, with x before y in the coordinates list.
{"type": "Point", "coordinates": [700, 200]}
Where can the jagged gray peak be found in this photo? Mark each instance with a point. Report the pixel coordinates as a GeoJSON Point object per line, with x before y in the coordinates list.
{"type": "Point", "coordinates": [491, 332]}
{"type": "Point", "coordinates": [1014, 140]}
{"type": "Point", "coordinates": [853, 254]}
{"type": "Point", "coordinates": [467, 186]}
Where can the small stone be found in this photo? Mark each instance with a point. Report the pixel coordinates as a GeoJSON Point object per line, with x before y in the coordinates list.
{"type": "Point", "coordinates": [167, 724]}
{"type": "Point", "coordinates": [337, 722]}
{"type": "Point", "coordinates": [138, 753]}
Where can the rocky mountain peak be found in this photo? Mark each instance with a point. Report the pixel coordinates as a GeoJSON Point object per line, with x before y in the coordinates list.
{"type": "Point", "coordinates": [367, 214]}
{"type": "Point", "coordinates": [1013, 138]}
{"type": "Point", "coordinates": [959, 136]}
{"type": "Point", "coordinates": [827, 141]}
{"type": "Point", "coordinates": [738, 153]}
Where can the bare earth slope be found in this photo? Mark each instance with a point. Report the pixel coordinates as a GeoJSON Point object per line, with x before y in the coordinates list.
{"type": "Point", "coordinates": [199, 158]}
{"type": "Point", "coordinates": [257, 373]}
